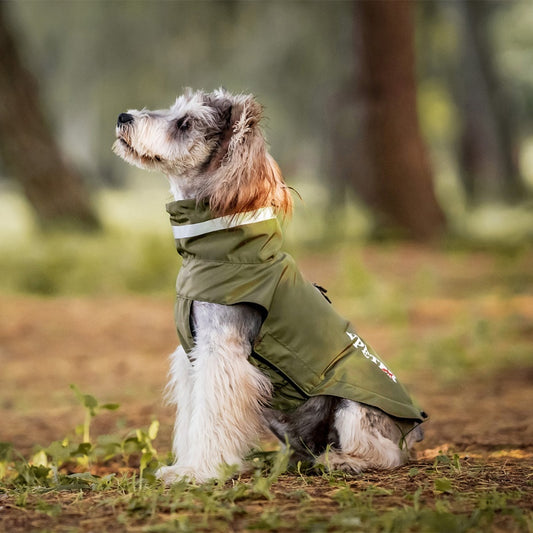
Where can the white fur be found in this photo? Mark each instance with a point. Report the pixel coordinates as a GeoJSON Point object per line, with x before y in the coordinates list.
{"type": "Point", "coordinates": [361, 446]}
{"type": "Point", "coordinates": [219, 398]}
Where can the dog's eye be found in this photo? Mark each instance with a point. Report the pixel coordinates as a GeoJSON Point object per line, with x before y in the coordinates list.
{"type": "Point", "coordinates": [183, 124]}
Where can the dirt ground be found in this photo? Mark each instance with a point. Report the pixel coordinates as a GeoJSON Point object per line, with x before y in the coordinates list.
{"type": "Point", "coordinates": [116, 349]}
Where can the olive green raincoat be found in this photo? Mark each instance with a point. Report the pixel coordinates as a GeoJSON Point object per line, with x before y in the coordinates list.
{"type": "Point", "coordinates": [304, 346]}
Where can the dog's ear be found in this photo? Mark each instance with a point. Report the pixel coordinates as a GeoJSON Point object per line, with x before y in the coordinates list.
{"type": "Point", "coordinates": [243, 176]}
{"type": "Point", "coordinates": [226, 120]}
{"type": "Point", "coordinates": [246, 114]}
{"type": "Point", "coordinates": [237, 118]}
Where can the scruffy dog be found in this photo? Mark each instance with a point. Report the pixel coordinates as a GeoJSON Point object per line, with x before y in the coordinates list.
{"type": "Point", "coordinates": [260, 346]}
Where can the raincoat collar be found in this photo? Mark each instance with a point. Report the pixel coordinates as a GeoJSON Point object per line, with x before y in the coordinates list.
{"type": "Point", "coordinates": [249, 237]}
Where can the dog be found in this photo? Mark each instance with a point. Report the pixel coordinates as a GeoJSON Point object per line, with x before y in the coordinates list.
{"type": "Point", "coordinates": [258, 349]}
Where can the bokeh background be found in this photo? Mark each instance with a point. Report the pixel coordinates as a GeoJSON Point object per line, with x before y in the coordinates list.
{"type": "Point", "coordinates": [337, 109]}
{"type": "Point", "coordinates": [406, 129]}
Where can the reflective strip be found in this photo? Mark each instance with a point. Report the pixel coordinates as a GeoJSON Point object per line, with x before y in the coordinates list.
{"type": "Point", "coordinates": [216, 224]}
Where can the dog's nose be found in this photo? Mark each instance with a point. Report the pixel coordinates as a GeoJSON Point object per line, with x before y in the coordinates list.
{"type": "Point", "coordinates": [124, 118]}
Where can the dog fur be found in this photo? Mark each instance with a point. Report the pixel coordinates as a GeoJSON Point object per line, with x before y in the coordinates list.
{"type": "Point", "coordinates": [211, 147]}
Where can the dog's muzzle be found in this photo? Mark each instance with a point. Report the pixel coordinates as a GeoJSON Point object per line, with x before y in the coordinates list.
{"type": "Point", "coordinates": [124, 118]}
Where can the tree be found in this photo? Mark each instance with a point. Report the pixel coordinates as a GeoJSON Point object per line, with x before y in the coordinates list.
{"type": "Point", "coordinates": [488, 145]}
{"type": "Point", "coordinates": [28, 149]}
{"type": "Point", "coordinates": [396, 177]}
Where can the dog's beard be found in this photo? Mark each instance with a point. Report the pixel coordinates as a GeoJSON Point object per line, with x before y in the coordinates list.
{"type": "Point", "coordinates": [126, 151]}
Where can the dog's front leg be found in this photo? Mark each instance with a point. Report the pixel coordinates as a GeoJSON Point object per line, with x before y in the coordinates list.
{"type": "Point", "coordinates": [179, 393]}
{"type": "Point", "coordinates": [228, 394]}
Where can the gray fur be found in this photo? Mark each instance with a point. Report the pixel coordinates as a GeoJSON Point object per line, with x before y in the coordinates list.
{"type": "Point", "coordinates": [310, 429]}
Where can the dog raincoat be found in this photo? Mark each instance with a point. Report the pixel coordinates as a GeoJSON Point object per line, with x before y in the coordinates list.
{"type": "Point", "coordinates": [304, 346]}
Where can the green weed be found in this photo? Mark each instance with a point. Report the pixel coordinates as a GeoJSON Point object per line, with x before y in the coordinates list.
{"type": "Point", "coordinates": [272, 496]}
{"type": "Point", "coordinates": [91, 409]}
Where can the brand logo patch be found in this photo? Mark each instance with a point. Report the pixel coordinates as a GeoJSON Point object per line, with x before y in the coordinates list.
{"type": "Point", "coordinates": [360, 345]}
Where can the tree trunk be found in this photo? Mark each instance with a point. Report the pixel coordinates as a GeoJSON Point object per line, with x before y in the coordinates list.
{"type": "Point", "coordinates": [28, 148]}
{"type": "Point", "coordinates": [397, 182]}
{"type": "Point", "coordinates": [488, 144]}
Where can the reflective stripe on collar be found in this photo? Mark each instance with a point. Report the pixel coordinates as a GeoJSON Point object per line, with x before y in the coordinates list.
{"type": "Point", "coordinates": [216, 224]}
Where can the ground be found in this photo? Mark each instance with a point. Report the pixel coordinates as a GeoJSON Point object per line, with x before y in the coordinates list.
{"type": "Point", "coordinates": [463, 344]}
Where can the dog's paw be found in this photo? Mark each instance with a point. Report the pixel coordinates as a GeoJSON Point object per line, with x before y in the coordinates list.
{"type": "Point", "coordinates": [343, 462]}
{"type": "Point", "coordinates": [172, 474]}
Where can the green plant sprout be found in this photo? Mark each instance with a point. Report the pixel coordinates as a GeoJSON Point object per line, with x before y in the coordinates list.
{"type": "Point", "coordinates": [91, 409]}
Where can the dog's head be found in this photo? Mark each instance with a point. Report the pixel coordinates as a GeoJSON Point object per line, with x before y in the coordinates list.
{"type": "Point", "coordinates": [211, 147]}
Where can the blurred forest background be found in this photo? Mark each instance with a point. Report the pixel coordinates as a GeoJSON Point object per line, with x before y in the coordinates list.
{"type": "Point", "coordinates": [406, 128]}
{"type": "Point", "coordinates": [391, 119]}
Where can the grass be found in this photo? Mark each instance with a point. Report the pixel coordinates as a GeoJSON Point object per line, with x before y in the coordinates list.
{"type": "Point", "coordinates": [137, 243]}
{"type": "Point", "coordinates": [56, 488]}
{"type": "Point", "coordinates": [134, 253]}
{"type": "Point", "coordinates": [66, 263]}
{"type": "Point", "coordinates": [114, 478]}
